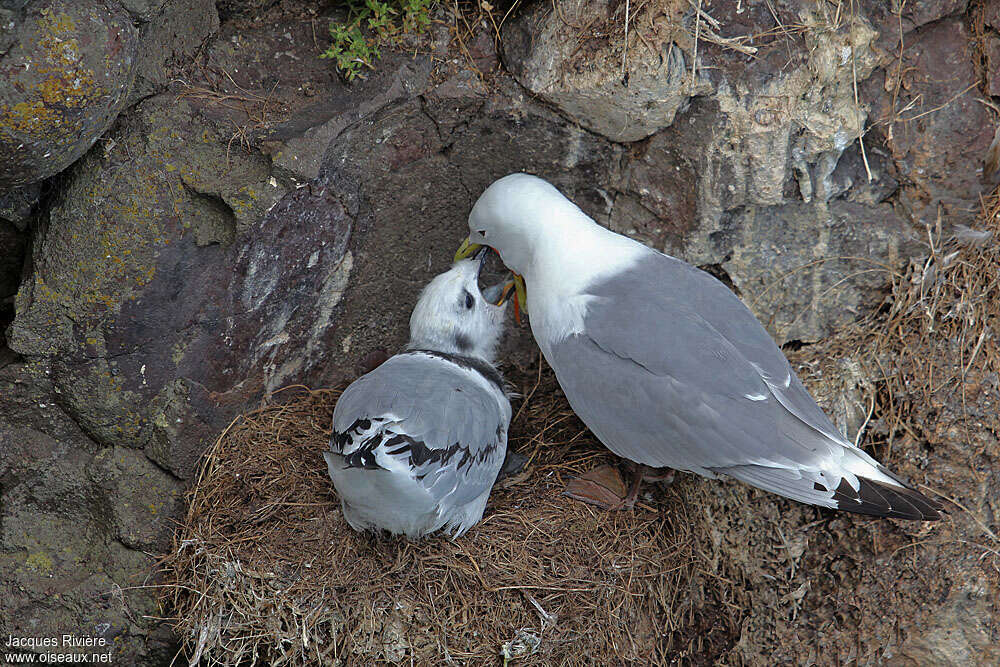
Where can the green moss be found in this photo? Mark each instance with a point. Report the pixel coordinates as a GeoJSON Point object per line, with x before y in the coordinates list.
{"type": "Point", "coordinates": [39, 562]}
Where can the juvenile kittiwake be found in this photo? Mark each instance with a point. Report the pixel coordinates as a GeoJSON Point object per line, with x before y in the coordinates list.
{"type": "Point", "coordinates": [417, 443]}
{"type": "Point", "coordinates": [666, 365]}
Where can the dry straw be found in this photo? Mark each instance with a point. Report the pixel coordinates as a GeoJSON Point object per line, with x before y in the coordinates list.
{"type": "Point", "coordinates": [264, 569]}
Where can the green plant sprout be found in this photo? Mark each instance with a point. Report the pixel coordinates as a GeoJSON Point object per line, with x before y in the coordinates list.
{"type": "Point", "coordinates": [371, 24]}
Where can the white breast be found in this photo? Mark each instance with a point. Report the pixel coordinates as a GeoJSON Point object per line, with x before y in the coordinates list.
{"type": "Point", "coordinates": [568, 260]}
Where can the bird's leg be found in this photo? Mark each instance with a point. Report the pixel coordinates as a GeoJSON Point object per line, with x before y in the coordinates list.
{"type": "Point", "coordinates": [628, 502]}
{"type": "Point", "coordinates": [665, 475]}
{"type": "Point", "coordinates": [513, 464]}
{"type": "Point", "coordinates": [643, 473]}
{"type": "Point", "coordinates": [603, 486]}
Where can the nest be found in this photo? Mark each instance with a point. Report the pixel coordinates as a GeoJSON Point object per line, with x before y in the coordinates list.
{"type": "Point", "coordinates": [264, 567]}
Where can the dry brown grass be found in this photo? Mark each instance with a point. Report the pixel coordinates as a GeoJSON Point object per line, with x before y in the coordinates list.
{"type": "Point", "coordinates": [931, 349]}
{"type": "Point", "coordinates": [248, 111]}
{"type": "Point", "coordinates": [265, 568]}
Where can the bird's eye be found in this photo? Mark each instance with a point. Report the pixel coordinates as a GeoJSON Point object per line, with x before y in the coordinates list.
{"type": "Point", "coordinates": [482, 232]}
{"type": "Point", "coordinates": [470, 301]}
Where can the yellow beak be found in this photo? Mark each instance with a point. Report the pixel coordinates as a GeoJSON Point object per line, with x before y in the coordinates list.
{"type": "Point", "coordinates": [505, 293]}
{"type": "Point", "coordinates": [468, 248]}
{"type": "Point", "coordinates": [522, 296]}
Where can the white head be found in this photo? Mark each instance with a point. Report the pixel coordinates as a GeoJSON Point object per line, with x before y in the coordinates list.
{"type": "Point", "coordinates": [452, 315]}
{"type": "Point", "coordinates": [517, 213]}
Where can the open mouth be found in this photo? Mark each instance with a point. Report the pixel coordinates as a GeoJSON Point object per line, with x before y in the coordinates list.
{"type": "Point", "coordinates": [496, 294]}
{"type": "Point", "coordinates": [499, 294]}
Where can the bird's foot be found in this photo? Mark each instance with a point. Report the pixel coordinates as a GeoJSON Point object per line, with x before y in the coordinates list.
{"type": "Point", "coordinates": [513, 465]}
{"type": "Point", "coordinates": [603, 486]}
{"type": "Point", "coordinates": [663, 475]}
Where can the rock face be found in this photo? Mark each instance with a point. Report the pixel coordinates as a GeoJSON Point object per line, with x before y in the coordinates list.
{"type": "Point", "coordinates": [12, 246]}
{"type": "Point", "coordinates": [962, 633]}
{"type": "Point", "coordinates": [66, 77]}
{"type": "Point", "coordinates": [550, 52]}
{"type": "Point", "coordinates": [745, 140]}
{"type": "Point", "coordinates": [171, 40]}
{"type": "Point", "coordinates": [76, 521]}
{"type": "Point", "coordinates": [942, 124]}
{"type": "Point", "coordinates": [253, 222]}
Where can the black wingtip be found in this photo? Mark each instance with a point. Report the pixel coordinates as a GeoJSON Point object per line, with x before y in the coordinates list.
{"type": "Point", "coordinates": [881, 499]}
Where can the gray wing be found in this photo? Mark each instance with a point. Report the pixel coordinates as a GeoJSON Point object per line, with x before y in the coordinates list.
{"type": "Point", "coordinates": [673, 370]}
{"type": "Point", "coordinates": [429, 416]}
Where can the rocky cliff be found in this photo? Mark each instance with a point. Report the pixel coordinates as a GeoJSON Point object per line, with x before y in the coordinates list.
{"type": "Point", "coordinates": [198, 212]}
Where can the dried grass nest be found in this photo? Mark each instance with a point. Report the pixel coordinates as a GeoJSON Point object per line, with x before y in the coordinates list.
{"type": "Point", "coordinates": [265, 569]}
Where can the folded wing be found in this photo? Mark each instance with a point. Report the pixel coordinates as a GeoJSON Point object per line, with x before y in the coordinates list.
{"type": "Point", "coordinates": [431, 434]}
{"type": "Point", "coordinates": [673, 370]}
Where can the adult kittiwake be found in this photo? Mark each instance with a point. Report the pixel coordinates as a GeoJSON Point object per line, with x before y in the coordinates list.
{"type": "Point", "coordinates": [666, 365]}
{"type": "Point", "coordinates": [417, 443]}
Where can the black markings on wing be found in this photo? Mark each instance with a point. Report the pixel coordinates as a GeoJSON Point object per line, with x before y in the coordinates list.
{"type": "Point", "coordinates": [421, 455]}
{"type": "Point", "coordinates": [344, 440]}
{"type": "Point", "coordinates": [357, 443]}
{"type": "Point", "coordinates": [469, 363]}
{"type": "Point", "coordinates": [360, 443]}
{"type": "Point", "coordinates": [880, 499]}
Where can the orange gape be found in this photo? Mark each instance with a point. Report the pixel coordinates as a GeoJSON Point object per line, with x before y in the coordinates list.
{"type": "Point", "coordinates": [506, 294]}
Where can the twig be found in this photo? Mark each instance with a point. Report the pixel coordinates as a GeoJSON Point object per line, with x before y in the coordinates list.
{"type": "Point", "coordinates": [709, 19]}
{"type": "Point", "coordinates": [625, 45]}
{"type": "Point", "coordinates": [975, 352]}
{"type": "Point", "coordinates": [857, 104]}
{"type": "Point", "coordinates": [975, 517]}
{"type": "Point", "coordinates": [694, 55]}
{"type": "Point", "coordinates": [942, 106]}
{"type": "Point", "coordinates": [729, 42]}
{"type": "Point", "coordinates": [864, 424]}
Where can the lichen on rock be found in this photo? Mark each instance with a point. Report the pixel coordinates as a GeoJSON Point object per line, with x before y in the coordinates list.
{"type": "Point", "coordinates": [68, 76]}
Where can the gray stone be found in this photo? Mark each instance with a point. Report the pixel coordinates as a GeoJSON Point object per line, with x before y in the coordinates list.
{"type": "Point", "coordinates": [69, 75]}
{"type": "Point", "coordinates": [961, 632]}
{"type": "Point", "coordinates": [893, 18]}
{"type": "Point", "coordinates": [297, 146]}
{"type": "Point", "coordinates": [231, 8]}
{"type": "Point", "coordinates": [937, 133]}
{"type": "Point", "coordinates": [143, 10]}
{"type": "Point", "coordinates": [169, 42]}
{"type": "Point", "coordinates": [12, 248]}
{"type": "Point", "coordinates": [807, 269]}
{"type": "Point", "coordinates": [791, 104]}
{"type": "Point", "coordinates": [116, 247]}
{"type": "Point", "coordinates": [17, 205]}
{"type": "Point", "coordinates": [547, 50]}
{"type": "Point", "coordinates": [68, 510]}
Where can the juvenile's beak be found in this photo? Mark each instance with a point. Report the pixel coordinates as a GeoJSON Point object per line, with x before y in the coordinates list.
{"type": "Point", "coordinates": [505, 291]}
{"type": "Point", "coordinates": [466, 249]}
{"type": "Point", "coordinates": [482, 255]}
